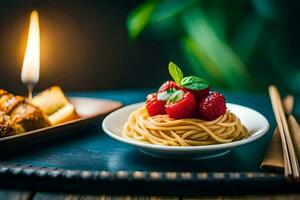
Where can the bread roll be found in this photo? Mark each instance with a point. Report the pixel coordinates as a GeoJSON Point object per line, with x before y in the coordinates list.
{"type": "Point", "coordinates": [56, 105]}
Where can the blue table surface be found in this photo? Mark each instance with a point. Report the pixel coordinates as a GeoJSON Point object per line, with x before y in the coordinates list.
{"type": "Point", "coordinates": [97, 151]}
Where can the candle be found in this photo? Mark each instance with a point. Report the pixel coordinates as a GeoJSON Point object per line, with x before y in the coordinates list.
{"type": "Point", "coordinates": [31, 64]}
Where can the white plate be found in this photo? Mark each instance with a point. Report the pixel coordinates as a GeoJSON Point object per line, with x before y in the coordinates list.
{"type": "Point", "coordinates": [255, 122]}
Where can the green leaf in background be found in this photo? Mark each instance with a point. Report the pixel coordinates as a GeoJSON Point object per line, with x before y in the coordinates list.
{"type": "Point", "coordinates": [199, 62]}
{"type": "Point", "coordinates": [175, 72]}
{"type": "Point", "coordinates": [139, 17]}
{"type": "Point", "coordinates": [217, 53]}
{"type": "Point", "coordinates": [224, 41]}
{"type": "Point", "coordinates": [265, 8]}
{"type": "Point", "coordinates": [159, 14]}
{"type": "Point", "coordinates": [216, 15]}
{"type": "Point", "coordinates": [247, 36]}
{"type": "Point", "coordinates": [170, 8]}
{"type": "Point", "coordinates": [194, 83]}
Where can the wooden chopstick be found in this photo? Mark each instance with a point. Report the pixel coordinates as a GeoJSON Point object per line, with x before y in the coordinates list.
{"type": "Point", "coordinates": [290, 159]}
{"type": "Point", "coordinates": [292, 153]}
{"type": "Point", "coordinates": [288, 104]}
{"type": "Point", "coordinates": [295, 133]}
{"type": "Point", "coordinates": [287, 162]}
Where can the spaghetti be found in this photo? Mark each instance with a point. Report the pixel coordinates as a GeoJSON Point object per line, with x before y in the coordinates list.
{"type": "Point", "coordinates": [163, 130]}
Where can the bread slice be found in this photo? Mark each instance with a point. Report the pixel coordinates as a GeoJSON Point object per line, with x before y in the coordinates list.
{"type": "Point", "coordinates": [55, 104]}
{"type": "Point", "coordinates": [50, 100]}
{"type": "Point", "coordinates": [64, 114]}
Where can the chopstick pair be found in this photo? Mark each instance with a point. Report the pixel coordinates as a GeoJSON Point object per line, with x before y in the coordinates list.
{"type": "Point", "coordinates": [291, 165]}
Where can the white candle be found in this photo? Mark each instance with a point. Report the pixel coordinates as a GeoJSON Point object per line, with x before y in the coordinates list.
{"type": "Point", "coordinates": [31, 64]}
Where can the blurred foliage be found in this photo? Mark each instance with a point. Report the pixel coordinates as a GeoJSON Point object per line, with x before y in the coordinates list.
{"type": "Point", "coordinates": [234, 44]}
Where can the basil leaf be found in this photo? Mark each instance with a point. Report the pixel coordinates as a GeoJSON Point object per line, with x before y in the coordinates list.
{"type": "Point", "coordinates": [175, 72]}
{"type": "Point", "coordinates": [194, 83]}
{"type": "Point", "coordinates": [164, 96]}
{"type": "Point", "coordinates": [175, 97]}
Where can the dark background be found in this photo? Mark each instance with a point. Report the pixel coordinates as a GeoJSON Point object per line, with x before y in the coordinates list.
{"type": "Point", "coordinates": [85, 45]}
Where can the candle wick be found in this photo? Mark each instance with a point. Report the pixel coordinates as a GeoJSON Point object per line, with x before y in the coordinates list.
{"type": "Point", "coordinates": [30, 90]}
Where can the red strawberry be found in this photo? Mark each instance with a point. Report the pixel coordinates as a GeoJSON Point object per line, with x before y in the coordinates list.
{"type": "Point", "coordinates": [155, 106]}
{"type": "Point", "coordinates": [212, 106]}
{"type": "Point", "coordinates": [181, 105]}
{"type": "Point", "coordinates": [199, 94]}
{"type": "Point", "coordinates": [167, 85]}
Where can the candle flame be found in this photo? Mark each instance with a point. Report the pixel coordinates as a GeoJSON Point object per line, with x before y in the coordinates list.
{"type": "Point", "coordinates": [31, 64]}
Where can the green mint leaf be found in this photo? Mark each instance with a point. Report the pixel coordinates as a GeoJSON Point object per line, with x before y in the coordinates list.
{"type": "Point", "coordinates": [194, 83]}
{"type": "Point", "coordinates": [175, 97]}
{"type": "Point", "coordinates": [164, 96]}
{"type": "Point", "coordinates": [176, 73]}
{"type": "Point", "coordinates": [140, 17]}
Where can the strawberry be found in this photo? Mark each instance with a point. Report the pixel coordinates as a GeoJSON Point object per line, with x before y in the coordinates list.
{"type": "Point", "coordinates": [155, 106]}
{"type": "Point", "coordinates": [167, 85]}
{"type": "Point", "coordinates": [212, 106]}
{"type": "Point", "coordinates": [181, 105]}
{"type": "Point", "coordinates": [199, 94]}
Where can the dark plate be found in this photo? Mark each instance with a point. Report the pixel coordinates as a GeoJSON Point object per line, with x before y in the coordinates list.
{"type": "Point", "coordinates": [90, 111]}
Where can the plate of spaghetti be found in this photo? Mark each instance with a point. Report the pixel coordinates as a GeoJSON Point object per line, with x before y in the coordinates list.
{"type": "Point", "coordinates": [184, 119]}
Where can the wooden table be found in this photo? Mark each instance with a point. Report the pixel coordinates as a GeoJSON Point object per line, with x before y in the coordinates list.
{"type": "Point", "coordinates": [243, 160]}
{"type": "Point", "coordinates": [8, 194]}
